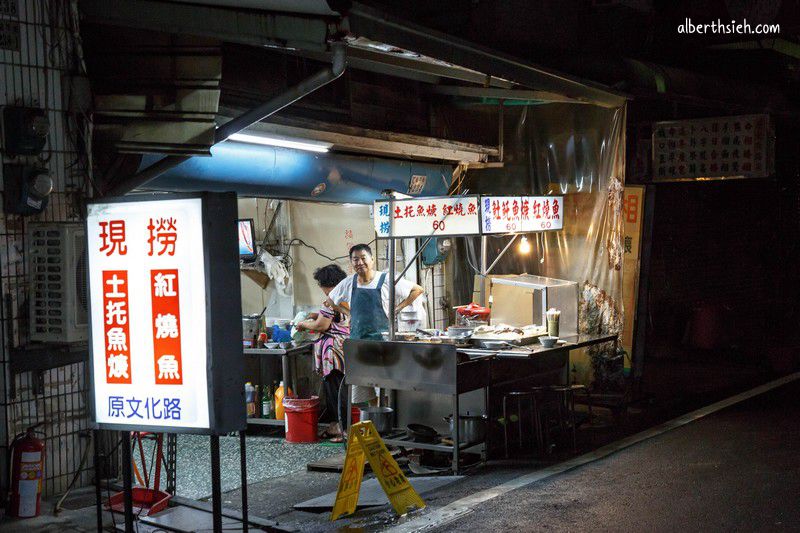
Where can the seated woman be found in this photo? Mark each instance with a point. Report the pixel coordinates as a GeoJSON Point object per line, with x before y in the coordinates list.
{"type": "Point", "coordinates": [334, 328]}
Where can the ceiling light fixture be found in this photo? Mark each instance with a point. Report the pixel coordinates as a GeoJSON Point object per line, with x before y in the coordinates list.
{"type": "Point", "coordinates": [283, 143]}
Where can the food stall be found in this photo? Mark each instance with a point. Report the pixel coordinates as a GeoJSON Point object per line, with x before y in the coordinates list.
{"type": "Point", "coordinates": [432, 374]}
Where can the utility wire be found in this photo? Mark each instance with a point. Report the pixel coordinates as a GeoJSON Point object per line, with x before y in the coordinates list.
{"type": "Point", "coordinates": [316, 251]}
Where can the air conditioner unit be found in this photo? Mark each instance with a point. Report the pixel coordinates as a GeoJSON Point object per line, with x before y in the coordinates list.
{"type": "Point", "coordinates": [58, 294]}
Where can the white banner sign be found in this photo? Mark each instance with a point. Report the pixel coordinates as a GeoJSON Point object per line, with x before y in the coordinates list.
{"type": "Point", "coordinates": [521, 214]}
{"type": "Point", "coordinates": [148, 313]}
{"type": "Point", "coordinates": [428, 216]}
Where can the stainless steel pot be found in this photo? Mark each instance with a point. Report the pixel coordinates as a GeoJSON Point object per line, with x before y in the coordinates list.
{"type": "Point", "coordinates": [381, 417]}
{"type": "Point", "coordinates": [461, 332]}
{"type": "Point", "coordinates": [471, 428]}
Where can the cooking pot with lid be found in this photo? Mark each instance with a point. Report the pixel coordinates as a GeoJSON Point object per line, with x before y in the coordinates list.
{"type": "Point", "coordinates": [471, 428]}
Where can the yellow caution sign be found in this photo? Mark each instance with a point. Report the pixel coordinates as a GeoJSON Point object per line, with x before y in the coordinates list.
{"type": "Point", "coordinates": [350, 482]}
{"type": "Point", "coordinates": [363, 440]}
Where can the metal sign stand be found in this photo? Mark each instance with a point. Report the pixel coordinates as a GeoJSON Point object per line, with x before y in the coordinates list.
{"type": "Point", "coordinates": [127, 481]}
{"type": "Point", "coordinates": [243, 467]}
{"type": "Point", "coordinates": [97, 488]}
{"type": "Point", "coordinates": [216, 485]}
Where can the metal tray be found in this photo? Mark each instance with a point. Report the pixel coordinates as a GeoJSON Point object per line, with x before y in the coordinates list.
{"type": "Point", "coordinates": [488, 343]}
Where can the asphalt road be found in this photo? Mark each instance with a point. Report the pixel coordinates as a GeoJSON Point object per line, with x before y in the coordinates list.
{"type": "Point", "coordinates": [734, 470]}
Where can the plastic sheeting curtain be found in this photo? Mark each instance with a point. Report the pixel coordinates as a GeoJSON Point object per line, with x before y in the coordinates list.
{"type": "Point", "coordinates": [577, 151]}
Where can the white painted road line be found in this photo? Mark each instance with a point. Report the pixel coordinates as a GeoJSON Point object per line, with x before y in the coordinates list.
{"type": "Point", "coordinates": [463, 506]}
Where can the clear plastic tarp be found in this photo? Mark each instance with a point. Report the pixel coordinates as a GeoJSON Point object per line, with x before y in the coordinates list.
{"type": "Point", "coordinates": [577, 151]}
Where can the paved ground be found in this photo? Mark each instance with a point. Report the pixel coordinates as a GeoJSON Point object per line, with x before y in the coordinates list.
{"type": "Point", "coordinates": [736, 470]}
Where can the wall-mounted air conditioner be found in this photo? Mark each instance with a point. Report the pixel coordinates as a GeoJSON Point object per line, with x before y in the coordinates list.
{"type": "Point", "coordinates": [58, 294]}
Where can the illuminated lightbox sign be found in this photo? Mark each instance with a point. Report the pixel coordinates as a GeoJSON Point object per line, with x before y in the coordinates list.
{"type": "Point", "coordinates": [159, 330]}
{"type": "Point", "coordinates": [424, 217]}
{"type": "Point", "coordinates": [521, 214]}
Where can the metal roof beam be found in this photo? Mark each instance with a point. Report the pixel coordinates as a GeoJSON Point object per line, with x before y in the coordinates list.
{"type": "Point", "coordinates": [384, 143]}
{"type": "Point", "coordinates": [379, 26]}
{"type": "Point", "coordinates": [409, 68]}
{"type": "Point", "coordinates": [502, 94]}
{"type": "Point", "coordinates": [258, 28]}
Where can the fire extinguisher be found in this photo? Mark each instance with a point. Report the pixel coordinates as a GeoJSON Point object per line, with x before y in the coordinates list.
{"type": "Point", "coordinates": [27, 472]}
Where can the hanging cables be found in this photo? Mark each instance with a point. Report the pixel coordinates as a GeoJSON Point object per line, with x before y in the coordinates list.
{"type": "Point", "coordinates": [316, 251]}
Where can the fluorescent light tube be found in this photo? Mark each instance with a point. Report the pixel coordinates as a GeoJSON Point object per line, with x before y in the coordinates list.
{"type": "Point", "coordinates": [283, 143]}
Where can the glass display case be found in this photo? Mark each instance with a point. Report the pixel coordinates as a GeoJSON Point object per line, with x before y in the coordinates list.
{"type": "Point", "coordinates": [520, 300]}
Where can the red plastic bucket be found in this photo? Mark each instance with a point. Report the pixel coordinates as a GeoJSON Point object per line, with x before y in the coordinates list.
{"type": "Point", "coordinates": [302, 416]}
{"type": "Point", "coordinates": [355, 415]}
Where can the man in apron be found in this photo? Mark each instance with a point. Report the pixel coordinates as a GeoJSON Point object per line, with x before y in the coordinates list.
{"type": "Point", "coordinates": [366, 297]}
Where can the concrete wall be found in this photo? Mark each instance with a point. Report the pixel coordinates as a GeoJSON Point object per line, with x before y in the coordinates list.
{"type": "Point", "coordinates": [332, 229]}
{"type": "Point", "coordinates": [254, 297]}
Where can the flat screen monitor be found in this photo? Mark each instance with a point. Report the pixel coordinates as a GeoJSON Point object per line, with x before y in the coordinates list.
{"type": "Point", "coordinates": [247, 239]}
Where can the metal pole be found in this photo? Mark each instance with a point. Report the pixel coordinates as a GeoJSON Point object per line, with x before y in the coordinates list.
{"type": "Point", "coordinates": [392, 253]}
{"type": "Point", "coordinates": [484, 261]}
{"type": "Point", "coordinates": [285, 99]}
{"type": "Point", "coordinates": [97, 490]}
{"type": "Point", "coordinates": [500, 255]}
{"type": "Point", "coordinates": [216, 485]}
{"type": "Point", "coordinates": [172, 462]}
{"type": "Point", "coordinates": [392, 269]}
{"type": "Point", "coordinates": [288, 97]}
{"type": "Point", "coordinates": [127, 481]}
{"type": "Point", "coordinates": [287, 374]}
{"type": "Point", "coordinates": [419, 250]}
{"type": "Point", "coordinates": [243, 458]}
{"type": "Point", "coordinates": [414, 259]}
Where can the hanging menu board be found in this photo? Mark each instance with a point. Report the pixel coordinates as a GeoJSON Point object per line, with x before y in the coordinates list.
{"type": "Point", "coordinates": [165, 335]}
{"type": "Point", "coordinates": [424, 217]}
{"type": "Point", "coordinates": [521, 214]}
{"type": "Point", "coordinates": [712, 148]}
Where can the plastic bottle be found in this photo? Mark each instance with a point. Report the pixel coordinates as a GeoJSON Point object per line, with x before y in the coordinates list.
{"type": "Point", "coordinates": [249, 394]}
{"type": "Point", "coordinates": [279, 394]}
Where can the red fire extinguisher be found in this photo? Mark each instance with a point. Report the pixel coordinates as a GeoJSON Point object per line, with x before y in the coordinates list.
{"type": "Point", "coordinates": [27, 472]}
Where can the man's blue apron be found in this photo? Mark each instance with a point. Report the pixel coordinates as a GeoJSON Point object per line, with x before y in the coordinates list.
{"type": "Point", "coordinates": [367, 318]}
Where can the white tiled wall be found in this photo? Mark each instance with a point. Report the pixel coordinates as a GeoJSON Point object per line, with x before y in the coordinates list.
{"type": "Point", "coordinates": [434, 285]}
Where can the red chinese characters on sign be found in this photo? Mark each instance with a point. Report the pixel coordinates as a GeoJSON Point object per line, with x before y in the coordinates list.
{"type": "Point", "coordinates": [444, 209]}
{"type": "Point", "coordinates": [630, 208]}
{"type": "Point", "coordinates": [116, 328]}
{"type": "Point", "coordinates": [536, 209]}
{"type": "Point", "coordinates": [164, 231]}
{"type": "Point", "coordinates": [521, 214]}
{"type": "Point", "coordinates": [166, 327]}
{"type": "Point", "coordinates": [445, 215]}
{"type": "Point", "coordinates": [112, 237]}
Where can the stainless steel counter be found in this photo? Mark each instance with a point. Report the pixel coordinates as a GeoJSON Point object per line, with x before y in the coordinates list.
{"type": "Point", "coordinates": [447, 370]}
